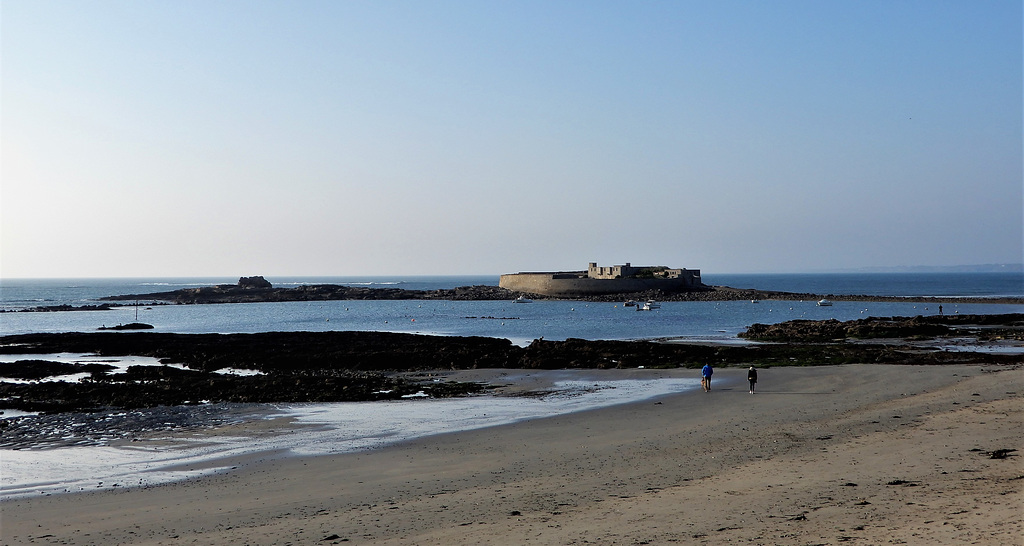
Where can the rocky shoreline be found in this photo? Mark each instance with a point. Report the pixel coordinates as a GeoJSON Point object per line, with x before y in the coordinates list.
{"type": "Point", "coordinates": [246, 293]}
{"type": "Point", "coordinates": [60, 308]}
{"type": "Point", "coordinates": [351, 366]}
{"type": "Point", "coordinates": [979, 327]}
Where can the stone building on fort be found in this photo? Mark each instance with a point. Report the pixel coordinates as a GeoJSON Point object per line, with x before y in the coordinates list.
{"type": "Point", "coordinates": [618, 279]}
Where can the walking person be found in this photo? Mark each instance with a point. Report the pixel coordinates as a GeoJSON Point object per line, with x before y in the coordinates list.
{"type": "Point", "coordinates": [706, 377]}
{"type": "Point", "coordinates": [752, 377]}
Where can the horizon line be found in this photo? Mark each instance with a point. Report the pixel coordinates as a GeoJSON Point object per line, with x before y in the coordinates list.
{"type": "Point", "coordinates": [969, 268]}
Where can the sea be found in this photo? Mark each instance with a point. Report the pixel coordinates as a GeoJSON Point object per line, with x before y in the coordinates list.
{"type": "Point", "coordinates": [65, 460]}
{"type": "Point", "coordinates": [521, 323]}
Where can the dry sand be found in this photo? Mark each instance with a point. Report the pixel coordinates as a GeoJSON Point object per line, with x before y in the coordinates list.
{"type": "Point", "coordinates": [864, 454]}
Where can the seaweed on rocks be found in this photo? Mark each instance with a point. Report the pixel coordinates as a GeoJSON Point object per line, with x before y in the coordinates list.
{"type": "Point", "coordinates": [295, 366]}
{"type": "Point", "coordinates": [39, 369]}
{"type": "Point", "coordinates": [877, 327]}
{"type": "Point", "coordinates": [352, 366]}
{"type": "Point", "coordinates": [280, 351]}
{"type": "Point", "coordinates": [152, 386]}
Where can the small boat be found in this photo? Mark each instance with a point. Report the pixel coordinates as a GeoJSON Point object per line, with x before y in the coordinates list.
{"type": "Point", "coordinates": [755, 301]}
{"type": "Point", "coordinates": [648, 305]}
{"type": "Point", "coordinates": [629, 303]}
{"type": "Point", "coordinates": [824, 303]}
{"type": "Point", "coordinates": [522, 299]}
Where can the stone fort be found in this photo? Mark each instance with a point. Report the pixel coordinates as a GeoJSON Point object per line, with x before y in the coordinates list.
{"type": "Point", "coordinates": [617, 279]}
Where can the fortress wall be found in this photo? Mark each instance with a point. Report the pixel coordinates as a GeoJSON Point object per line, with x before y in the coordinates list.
{"type": "Point", "coordinates": [531, 283]}
{"type": "Point", "coordinates": [548, 284]}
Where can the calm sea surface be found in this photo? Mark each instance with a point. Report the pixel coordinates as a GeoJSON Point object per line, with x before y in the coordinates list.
{"type": "Point", "coordinates": [521, 323]}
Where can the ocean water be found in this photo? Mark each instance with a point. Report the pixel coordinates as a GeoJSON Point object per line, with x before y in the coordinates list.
{"type": "Point", "coordinates": [521, 323]}
{"type": "Point", "coordinates": [23, 293]}
{"type": "Point", "coordinates": [881, 284]}
{"type": "Point", "coordinates": [345, 427]}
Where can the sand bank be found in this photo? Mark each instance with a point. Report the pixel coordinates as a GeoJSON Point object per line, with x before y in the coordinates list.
{"type": "Point", "coordinates": [865, 453]}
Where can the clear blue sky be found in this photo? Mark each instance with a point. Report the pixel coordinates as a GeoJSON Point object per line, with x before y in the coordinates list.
{"type": "Point", "coordinates": [186, 138]}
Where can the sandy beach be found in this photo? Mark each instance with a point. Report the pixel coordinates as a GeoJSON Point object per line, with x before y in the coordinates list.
{"type": "Point", "coordinates": [867, 454]}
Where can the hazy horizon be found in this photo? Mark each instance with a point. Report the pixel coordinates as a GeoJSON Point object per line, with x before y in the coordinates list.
{"type": "Point", "coordinates": [978, 268]}
{"type": "Point", "coordinates": [184, 139]}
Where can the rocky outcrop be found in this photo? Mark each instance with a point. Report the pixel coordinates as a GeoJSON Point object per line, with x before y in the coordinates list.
{"type": "Point", "coordinates": [150, 386]}
{"type": "Point", "coordinates": [59, 308]}
{"type": "Point", "coordinates": [40, 369]}
{"type": "Point", "coordinates": [281, 352]}
{"type": "Point", "coordinates": [227, 293]}
{"type": "Point", "coordinates": [877, 327]}
{"type": "Point", "coordinates": [129, 326]}
{"type": "Point", "coordinates": [347, 366]}
{"type": "Point", "coordinates": [254, 282]}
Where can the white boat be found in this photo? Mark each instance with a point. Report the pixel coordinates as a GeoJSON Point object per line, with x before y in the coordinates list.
{"type": "Point", "coordinates": [824, 303]}
{"type": "Point", "coordinates": [755, 301]}
{"type": "Point", "coordinates": [648, 305]}
{"type": "Point", "coordinates": [522, 299]}
{"type": "Point", "coordinates": [629, 303]}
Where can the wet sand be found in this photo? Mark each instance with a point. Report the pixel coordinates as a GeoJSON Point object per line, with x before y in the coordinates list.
{"type": "Point", "coordinates": [867, 454]}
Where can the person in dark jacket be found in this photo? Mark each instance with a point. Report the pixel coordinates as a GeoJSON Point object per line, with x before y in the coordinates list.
{"type": "Point", "coordinates": [706, 377]}
{"type": "Point", "coordinates": [752, 377]}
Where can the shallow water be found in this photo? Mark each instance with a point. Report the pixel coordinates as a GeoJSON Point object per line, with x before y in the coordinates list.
{"type": "Point", "coordinates": [83, 462]}
{"type": "Point", "coordinates": [521, 323]}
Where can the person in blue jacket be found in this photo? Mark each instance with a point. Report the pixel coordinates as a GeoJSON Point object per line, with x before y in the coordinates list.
{"type": "Point", "coordinates": [706, 377]}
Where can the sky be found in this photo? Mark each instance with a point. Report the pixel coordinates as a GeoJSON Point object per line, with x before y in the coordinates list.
{"type": "Point", "coordinates": [231, 138]}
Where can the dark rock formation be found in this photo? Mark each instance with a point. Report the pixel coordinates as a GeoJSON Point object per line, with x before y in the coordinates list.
{"type": "Point", "coordinates": [254, 282]}
{"type": "Point", "coordinates": [877, 327]}
{"type": "Point", "coordinates": [346, 366]}
{"type": "Point", "coordinates": [39, 369]}
{"type": "Point", "coordinates": [281, 352]}
{"type": "Point", "coordinates": [149, 386]}
{"type": "Point", "coordinates": [58, 308]}
{"type": "Point", "coordinates": [227, 293]}
{"type": "Point", "coordinates": [129, 326]}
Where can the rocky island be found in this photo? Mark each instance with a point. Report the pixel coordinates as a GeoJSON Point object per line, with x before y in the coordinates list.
{"type": "Point", "coordinates": [258, 289]}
